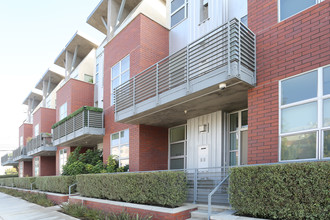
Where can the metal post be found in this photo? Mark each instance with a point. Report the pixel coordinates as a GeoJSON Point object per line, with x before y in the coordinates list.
{"type": "Point", "coordinates": [157, 89]}
{"type": "Point", "coordinates": [195, 186]}
{"type": "Point", "coordinates": [134, 95]}
{"type": "Point", "coordinates": [239, 49]}
{"type": "Point", "coordinates": [88, 118]}
{"type": "Point", "coordinates": [187, 71]}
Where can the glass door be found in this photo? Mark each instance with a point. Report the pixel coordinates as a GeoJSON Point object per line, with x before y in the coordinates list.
{"type": "Point", "coordinates": [177, 147]}
{"type": "Point", "coordinates": [238, 138]}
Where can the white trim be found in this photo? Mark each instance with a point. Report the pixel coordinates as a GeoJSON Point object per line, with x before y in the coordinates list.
{"type": "Point", "coordinates": [120, 145]}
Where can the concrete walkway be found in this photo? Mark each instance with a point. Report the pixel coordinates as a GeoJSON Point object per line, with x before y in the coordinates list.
{"type": "Point", "coordinates": [12, 208]}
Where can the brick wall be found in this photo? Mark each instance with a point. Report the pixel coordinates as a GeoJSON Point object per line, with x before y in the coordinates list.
{"type": "Point", "coordinates": [25, 130]}
{"type": "Point", "coordinates": [146, 42]}
{"type": "Point", "coordinates": [45, 117]}
{"type": "Point", "coordinates": [293, 46]}
{"type": "Point", "coordinates": [27, 168]}
{"type": "Point", "coordinates": [76, 93]}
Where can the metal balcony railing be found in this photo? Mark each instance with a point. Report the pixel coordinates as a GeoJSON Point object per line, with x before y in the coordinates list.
{"type": "Point", "coordinates": [20, 154]}
{"type": "Point", "coordinates": [7, 159]}
{"type": "Point", "coordinates": [42, 140]}
{"type": "Point", "coordinates": [230, 46]}
{"type": "Point", "coordinates": [83, 121]}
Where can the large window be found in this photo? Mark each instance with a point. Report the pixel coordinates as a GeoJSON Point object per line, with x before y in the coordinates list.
{"type": "Point", "coordinates": [179, 11]}
{"type": "Point", "coordinates": [178, 147]}
{"type": "Point", "coordinates": [21, 141]}
{"type": "Point", "coordinates": [63, 111]}
{"type": "Point", "coordinates": [305, 116]}
{"type": "Point", "coordinates": [120, 73]}
{"type": "Point", "coordinates": [120, 147]}
{"type": "Point", "coordinates": [36, 166]}
{"type": "Point", "coordinates": [20, 170]}
{"type": "Point", "coordinates": [289, 8]}
{"type": "Point", "coordinates": [63, 159]}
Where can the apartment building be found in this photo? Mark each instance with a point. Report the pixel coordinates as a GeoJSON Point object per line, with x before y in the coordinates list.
{"type": "Point", "coordinates": [197, 84]}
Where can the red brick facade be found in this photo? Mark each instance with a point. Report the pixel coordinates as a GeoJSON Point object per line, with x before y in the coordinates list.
{"type": "Point", "coordinates": [27, 168]}
{"type": "Point", "coordinates": [45, 117]}
{"type": "Point", "coordinates": [46, 165]}
{"type": "Point", "coordinates": [76, 93]}
{"type": "Point", "coordinates": [25, 130]}
{"type": "Point", "coordinates": [146, 42]}
{"type": "Point", "coordinates": [293, 46]}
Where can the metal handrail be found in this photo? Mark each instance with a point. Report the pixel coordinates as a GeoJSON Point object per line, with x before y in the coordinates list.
{"type": "Point", "coordinates": [70, 188]}
{"type": "Point", "coordinates": [209, 197]}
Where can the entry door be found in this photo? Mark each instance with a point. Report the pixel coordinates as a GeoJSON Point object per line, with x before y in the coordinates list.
{"type": "Point", "coordinates": [203, 157]}
{"type": "Point", "coordinates": [238, 138]}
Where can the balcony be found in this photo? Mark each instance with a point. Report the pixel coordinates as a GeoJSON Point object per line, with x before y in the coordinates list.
{"type": "Point", "coordinates": [83, 127]}
{"type": "Point", "coordinates": [188, 80]}
{"type": "Point", "coordinates": [7, 160]}
{"type": "Point", "coordinates": [41, 146]}
{"type": "Point", "coordinates": [20, 155]}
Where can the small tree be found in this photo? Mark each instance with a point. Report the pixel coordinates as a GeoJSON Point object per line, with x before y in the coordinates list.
{"type": "Point", "coordinates": [11, 171]}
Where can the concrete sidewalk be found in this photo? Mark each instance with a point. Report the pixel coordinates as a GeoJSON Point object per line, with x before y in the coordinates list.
{"type": "Point", "coordinates": [12, 208]}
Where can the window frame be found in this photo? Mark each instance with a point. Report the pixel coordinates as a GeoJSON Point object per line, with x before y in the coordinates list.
{"type": "Point", "coordinates": [319, 99]}
{"type": "Point", "coordinates": [36, 160]}
{"type": "Point", "coordinates": [279, 10]}
{"type": "Point", "coordinates": [36, 130]}
{"type": "Point", "coordinates": [184, 5]}
{"type": "Point", "coordinates": [61, 109]}
{"type": "Point", "coordinates": [184, 156]}
{"type": "Point", "coordinates": [119, 146]}
{"type": "Point", "coordinates": [119, 76]}
{"type": "Point", "coordinates": [20, 169]}
{"type": "Point", "coordinates": [62, 159]}
{"type": "Point", "coordinates": [202, 7]}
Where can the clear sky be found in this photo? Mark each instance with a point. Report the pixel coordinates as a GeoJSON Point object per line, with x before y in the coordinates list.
{"type": "Point", "coordinates": [32, 34]}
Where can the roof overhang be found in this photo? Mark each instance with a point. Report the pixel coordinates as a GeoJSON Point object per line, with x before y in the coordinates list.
{"type": "Point", "coordinates": [101, 10]}
{"type": "Point", "coordinates": [54, 75]}
{"type": "Point", "coordinates": [85, 46]}
{"type": "Point", "coordinates": [33, 95]}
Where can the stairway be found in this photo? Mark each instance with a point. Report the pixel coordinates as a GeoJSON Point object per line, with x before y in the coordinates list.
{"type": "Point", "coordinates": [201, 212]}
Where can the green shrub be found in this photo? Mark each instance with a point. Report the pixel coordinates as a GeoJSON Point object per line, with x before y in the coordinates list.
{"type": "Point", "coordinates": [56, 184]}
{"type": "Point", "coordinates": [167, 189]}
{"type": "Point", "coordinates": [8, 176]}
{"type": "Point", "coordinates": [285, 191]}
{"type": "Point", "coordinates": [79, 211]}
{"type": "Point", "coordinates": [7, 181]}
{"type": "Point", "coordinates": [24, 182]}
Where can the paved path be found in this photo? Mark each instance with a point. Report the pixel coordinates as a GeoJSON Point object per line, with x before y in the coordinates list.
{"type": "Point", "coordinates": [12, 208]}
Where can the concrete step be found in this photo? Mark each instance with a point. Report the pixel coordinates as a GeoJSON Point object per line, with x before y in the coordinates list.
{"type": "Point", "coordinates": [215, 208]}
{"type": "Point", "coordinates": [201, 214]}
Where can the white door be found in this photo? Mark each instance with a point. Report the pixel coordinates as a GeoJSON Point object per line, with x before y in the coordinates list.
{"type": "Point", "coordinates": [203, 157]}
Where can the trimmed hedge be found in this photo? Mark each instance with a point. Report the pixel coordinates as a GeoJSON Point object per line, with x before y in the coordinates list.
{"type": "Point", "coordinates": [94, 109]}
{"type": "Point", "coordinates": [24, 182]}
{"type": "Point", "coordinates": [168, 189]}
{"type": "Point", "coordinates": [56, 184]}
{"type": "Point", "coordinates": [284, 191]}
{"type": "Point", "coordinates": [8, 176]}
{"type": "Point", "coordinates": [7, 181]}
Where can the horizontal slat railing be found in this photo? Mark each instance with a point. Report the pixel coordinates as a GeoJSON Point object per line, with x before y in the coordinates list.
{"type": "Point", "coordinates": [6, 158]}
{"type": "Point", "coordinates": [43, 139]}
{"type": "Point", "coordinates": [231, 42]}
{"type": "Point", "coordinates": [86, 118]}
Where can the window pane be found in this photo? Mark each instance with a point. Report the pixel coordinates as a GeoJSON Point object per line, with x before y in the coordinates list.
{"type": "Point", "coordinates": [177, 149]}
{"type": "Point", "coordinates": [115, 71]}
{"type": "Point", "coordinates": [115, 83]}
{"type": "Point", "coordinates": [233, 122]}
{"type": "Point", "coordinates": [124, 137]}
{"type": "Point", "coordinates": [233, 158]}
{"type": "Point", "coordinates": [326, 112]}
{"type": "Point", "coordinates": [299, 118]}
{"type": "Point", "coordinates": [177, 17]}
{"type": "Point", "coordinates": [124, 151]}
{"type": "Point", "coordinates": [125, 64]}
{"type": "Point", "coordinates": [124, 163]}
{"type": "Point", "coordinates": [299, 88]}
{"type": "Point", "coordinates": [176, 4]}
{"type": "Point", "coordinates": [115, 139]}
{"type": "Point", "coordinates": [177, 163]}
{"type": "Point", "coordinates": [291, 7]}
{"type": "Point", "coordinates": [301, 146]}
{"type": "Point", "coordinates": [326, 80]}
{"type": "Point", "coordinates": [233, 141]}
{"type": "Point", "coordinates": [244, 122]}
{"type": "Point", "coordinates": [326, 151]}
{"type": "Point", "coordinates": [115, 151]}
{"type": "Point", "coordinates": [125, 77]}
{"type": "Point", "coordinates": [177, 134]}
